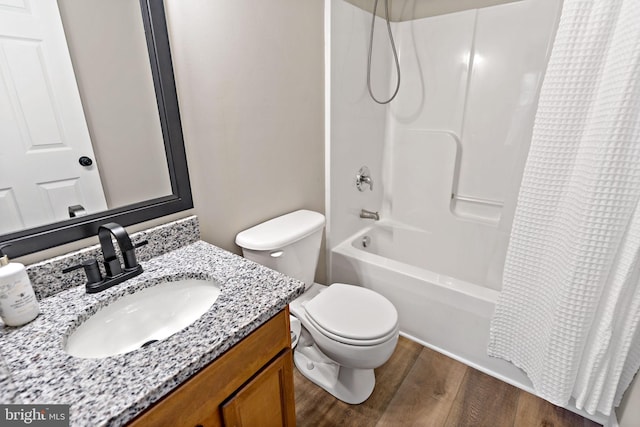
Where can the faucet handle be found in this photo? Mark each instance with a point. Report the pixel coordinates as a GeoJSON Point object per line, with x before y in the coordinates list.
{"type": "Point", "coordinates": [363, 177]}
{"type": "Point", "coordinates": [129, 255]}
{"type": "Point", "coordinates": [142, 243]}
{"type": "Point", "coordinates": [91, 269]}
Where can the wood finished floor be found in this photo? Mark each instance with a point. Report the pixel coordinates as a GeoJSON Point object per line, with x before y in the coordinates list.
{"type": "Point", "coordinates": [420, 387]}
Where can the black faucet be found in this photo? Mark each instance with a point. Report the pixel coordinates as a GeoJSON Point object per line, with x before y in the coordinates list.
{"type": "Point", "coordinates": [111, 262]}
{"type": "Point", "coordinates": [114, 271]}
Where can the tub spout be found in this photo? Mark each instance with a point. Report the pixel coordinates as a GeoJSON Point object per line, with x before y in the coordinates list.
{"type": "Point", "coordinates": [369, 215]}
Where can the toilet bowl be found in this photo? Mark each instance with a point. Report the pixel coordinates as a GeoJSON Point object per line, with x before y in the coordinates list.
{"type": "Point", "coordinates": [346, 331]}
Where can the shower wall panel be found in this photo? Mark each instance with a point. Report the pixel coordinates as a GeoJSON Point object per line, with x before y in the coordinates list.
{"type": "Point", "coordinates": [447, 154]}
{"type": "Point", "coordinates": [508, 57]}
{"type": "Point", "coordinates": [357, 124]}
{"type": "Point", "coordinates": [476, 75]}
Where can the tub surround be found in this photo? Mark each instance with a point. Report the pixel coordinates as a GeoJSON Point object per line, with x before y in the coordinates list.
{"type": "Point", "coordinates": [112, 391]}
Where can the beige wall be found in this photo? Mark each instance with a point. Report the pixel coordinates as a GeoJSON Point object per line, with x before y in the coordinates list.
{"type": "Point", "coordinates": [250, 86]}
{"type": "Point", "coordinates": [108, 50]}
{"type": "Point", "coordinates": [405, 10]}
{"type": "Point", "coordinates": [629, 411]}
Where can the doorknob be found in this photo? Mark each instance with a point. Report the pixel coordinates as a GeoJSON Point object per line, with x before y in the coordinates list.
{"type": "Point", "coordinates": [85, 161]}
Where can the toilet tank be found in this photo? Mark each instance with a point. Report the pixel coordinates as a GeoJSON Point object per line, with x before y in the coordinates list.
{"type": "Point", "coordinates": [289, 244]}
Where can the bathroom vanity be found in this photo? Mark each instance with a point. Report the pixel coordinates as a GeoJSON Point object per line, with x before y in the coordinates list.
{"type": "Point", "coordinates": [233, 363]}
{"type": "Point", "coordinates": [251, 384]}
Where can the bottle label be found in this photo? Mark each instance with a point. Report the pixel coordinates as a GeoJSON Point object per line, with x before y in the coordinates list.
{"type": "Point", "coordinates": [16, 299]}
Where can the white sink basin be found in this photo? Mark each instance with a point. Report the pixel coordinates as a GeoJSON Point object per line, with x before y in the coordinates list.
{"type": "Point", "coordinates": [144, 317]}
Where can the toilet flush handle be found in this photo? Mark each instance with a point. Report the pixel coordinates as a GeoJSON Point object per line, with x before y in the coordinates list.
{"type": "Point", "coordinates": [276, 254]}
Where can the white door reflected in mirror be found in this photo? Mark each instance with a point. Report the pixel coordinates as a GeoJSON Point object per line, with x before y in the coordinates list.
{"type": "Point", "coordinates": [43, 128]}
{"type": "Point", "coordinates": [76, 72]}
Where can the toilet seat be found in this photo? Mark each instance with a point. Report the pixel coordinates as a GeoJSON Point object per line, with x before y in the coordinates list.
{"type": "Point", "coordinates": [352, 315]}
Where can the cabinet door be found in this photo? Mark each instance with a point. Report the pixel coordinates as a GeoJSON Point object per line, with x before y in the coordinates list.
{"type": "Point", "coordinates": [198, 402]}
{"type": "Point", "coordinates": [265, 401]}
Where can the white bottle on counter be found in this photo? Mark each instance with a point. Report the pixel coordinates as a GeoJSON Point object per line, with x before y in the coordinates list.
{"type": "Point", "coordinates": [18, 303]}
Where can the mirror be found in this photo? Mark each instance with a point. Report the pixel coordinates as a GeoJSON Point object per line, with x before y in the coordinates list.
{"type": "Point", "coordinates": [134, 166]}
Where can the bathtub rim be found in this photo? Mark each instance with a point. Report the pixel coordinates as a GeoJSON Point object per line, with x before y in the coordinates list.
{"type": "Point", "coordinates": [347, 248]}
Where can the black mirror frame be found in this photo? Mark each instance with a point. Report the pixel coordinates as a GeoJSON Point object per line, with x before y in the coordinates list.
{"type": "Point", "coordinates": [47, 236]}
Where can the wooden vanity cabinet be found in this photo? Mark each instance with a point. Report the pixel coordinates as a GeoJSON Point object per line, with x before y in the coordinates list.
{"type": "Point", "coordinates": [249, 385]}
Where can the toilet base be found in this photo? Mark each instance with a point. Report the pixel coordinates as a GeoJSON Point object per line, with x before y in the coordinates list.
{"type": "Point", "coordinates": [350, 385]}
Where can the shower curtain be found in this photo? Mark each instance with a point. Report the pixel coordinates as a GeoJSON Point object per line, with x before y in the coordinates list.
{"type": "Point", "coordinates": [569, 309]}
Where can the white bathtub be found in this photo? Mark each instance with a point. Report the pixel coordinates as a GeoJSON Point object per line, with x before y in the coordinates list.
{"type": "Point", "coordinates": [442, 312]}
{"type": "Point", "coordinates": [437, 310]}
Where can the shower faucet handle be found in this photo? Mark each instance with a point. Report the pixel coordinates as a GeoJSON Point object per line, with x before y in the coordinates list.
{"type": "Point", "coordinates": [363, 177]}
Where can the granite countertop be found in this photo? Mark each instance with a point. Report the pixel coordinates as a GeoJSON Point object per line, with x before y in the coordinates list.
{"type": "Point", "coordinates": [113, 390]}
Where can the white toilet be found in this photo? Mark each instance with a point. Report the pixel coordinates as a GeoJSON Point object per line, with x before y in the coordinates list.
{"type": "Point", "coordinates": [347, 330]}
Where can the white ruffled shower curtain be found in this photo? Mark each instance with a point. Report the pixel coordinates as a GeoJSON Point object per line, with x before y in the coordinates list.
{"type": "Point", "coordinates": [569, 309]}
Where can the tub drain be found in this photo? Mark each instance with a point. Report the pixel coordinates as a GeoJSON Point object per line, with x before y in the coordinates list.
{"type": "Point", "coordinates": [366, 241]}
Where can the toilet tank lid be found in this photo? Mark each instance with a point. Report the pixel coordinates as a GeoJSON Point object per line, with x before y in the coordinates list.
{"type": "Point", "coordinates": [281, 231]}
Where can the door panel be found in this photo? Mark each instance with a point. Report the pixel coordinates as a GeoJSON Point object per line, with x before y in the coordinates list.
{"type": "Point", "coordinates": [43, 131]}
{"type": "Point", "coordinates": [11, 219]}
{"type": "Point", "coordinates": [267, 400]}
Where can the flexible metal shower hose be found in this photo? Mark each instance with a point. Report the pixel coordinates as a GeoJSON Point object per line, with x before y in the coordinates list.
{"type": "Point", "coordinates": [393, 48]}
